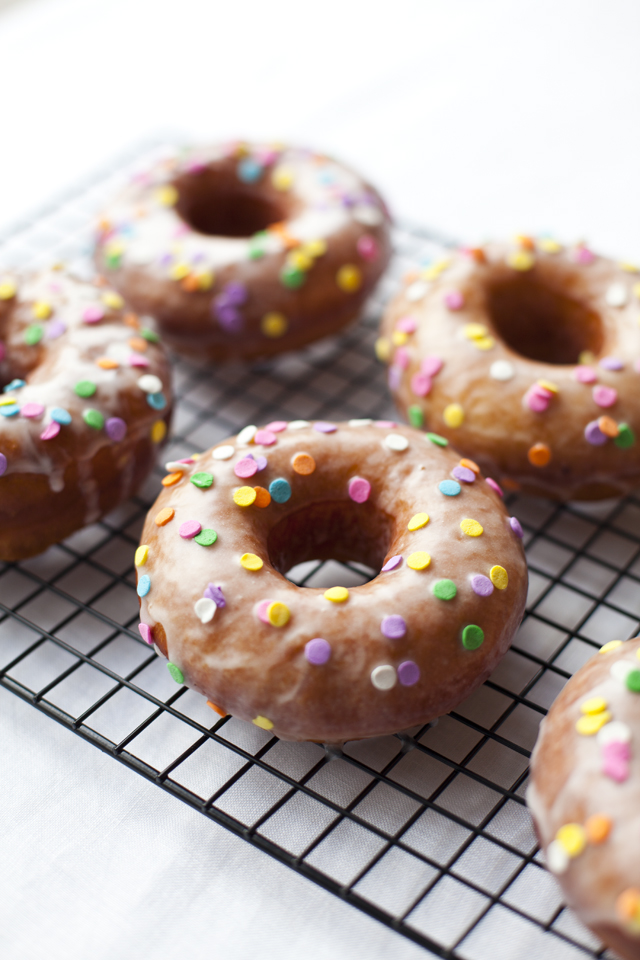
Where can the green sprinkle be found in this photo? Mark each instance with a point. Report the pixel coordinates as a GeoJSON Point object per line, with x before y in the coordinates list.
{"type": "Point", "coordinates": [175, 672]}
{"type": "Point", "coordinates": [292, 278]}
{"type": "Point", "coordinates": [113, 259]}
{"type": "Point", "coordinates": [202, 479]}
{"type": "Point", "coordinates": [150, 335]}
{"type": "Point", "coordinates": [633, 681]}
{"type": "Point", "coordinates": [256, 245]}
{"type": "Point", "coordinates": [33, 334]}
{"type": "Point", "coordinates": [438, 440]}
{"type": "Point", "coordinates": [472, 636]}
{"type": "Point", "coordinates": [416, 416]}
{"type": "Point", "coordinates": [445, 590]}
{"type": "Point", "coordinates": [86, 388]}
{"type": "Point", "coordinates": [206, 537]}
{"type": "Point", "coordinates": [93, 418]}
{"type": "Point", "coordinates": [626, 437]}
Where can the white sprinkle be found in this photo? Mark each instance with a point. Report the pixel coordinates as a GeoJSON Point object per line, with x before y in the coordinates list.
{"type": "Point", "coordinates": [298, 424]}
{"type": "Point", "coordinates": [617, 295]}
{"type": "Point", "coordinates": [223, 453]}
{"type": "Point", "coordinates": [150, 383]}
{"type": "Point", "coordinates": [247, 434]}
{"type": "Point", "coordinates": [557, 857]}
{"type": "Point", "coordinates": [360, 423]}
{"type": "Point", "coordinates": [205, 609]}
{"type": "Point", "coordinates": [367, 214]}
{"type": "Point", "coordinates": [621, 669]}
{"type": "Point", "coordinates": [614, 732]}
{"type": "Point", "coordinates": [396, 441]}
{"type": "Point", "coordinates": [383, 678]}
{"type": "Point", "coordinates": [174, 466]}
{"type": "Point", "coordinates": [502, 370]}
{"type": "Point", "coordinates": [416, 290]}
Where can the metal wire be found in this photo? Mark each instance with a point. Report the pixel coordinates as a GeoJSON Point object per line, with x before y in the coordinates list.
{"type": "Point", "coordinates": [426, 831]}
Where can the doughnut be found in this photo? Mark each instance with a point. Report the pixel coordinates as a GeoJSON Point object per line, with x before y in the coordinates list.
{"type": "Point", "coordinates": [333, 664]}
{"type": "Point", "coordinates": [86, 400]}
{"type": "Point", "coordinates": [584, 794]}
{"type": "Point", "coordinates": [245, 250]}
{"type": "Point", "coordinates": [526, 356]}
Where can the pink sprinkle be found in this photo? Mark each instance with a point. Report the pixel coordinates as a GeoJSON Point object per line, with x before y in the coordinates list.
{"type": "Point", "coordinates": [189, 529]}
{"type": "Point", "coordinates": [385, 424]}
{"type": "Point", "coordinates": [421, 384]}
{"type": "Point", "coordinates": [584, 255]}
{"type": "Point", "coordinates": [636, 365]}
{"type": "Point", "coordinates": [145, 632]}
{"type": "Point", "coordinates": [402, 358]}
{"type": "Point", "coordinates": [137, 360]}
{"type": "Point", "coordinates": [407, 325]}
{"type": "Point", "coordinates": [265, 438]}
{"type": "Point", "coordinates": [261, 610]}
{"type": "Point", "coordinates": [359, 489]}
{"type": "Point", "coordinates": [245, 468]}
{"type": "Point", "coordinates": [495, 486]}
{"type": "Point", "coordinates": [615, 761]}
{"type": "Point", "coordinates": [536, 400]}
{"type": "Point", "coordinates": [431, 365]}
{"type": "Point", "coordinates": [93, 313]}
{"type": "Point", "coordinates": [585, 374]}
{"type": "Point", "coordinates": [605, 396]}
{"type": "Point", "coordinates": [454, 300]}
{"type": "Point", "coordinates": [181, 230]}
{"type": "Point", "coordinates": [277, 426]}
{"type": "Point", "coordinates": [367, 247]}
{"type": "Point", "coordinates": [32, 410]}
{"type": "Point", "coordinates": [50, 431]}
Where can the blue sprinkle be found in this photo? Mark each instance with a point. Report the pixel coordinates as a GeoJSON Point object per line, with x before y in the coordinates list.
{"type": "Point", "coordinates": [144, 585]}
{"type": "Point", "coordinates": [10, 411]}
{"type": "Point", "coordinates": [280, 490]}
{"type": "Point", "coordinates": [15, 385]}
{"type": "Point", "coordinates": [450, 488]}
{"type": "Point", "coordinates": [249, 170]}
{"type": "Point", "coordinates": [157, 400]}
{"type": "Point", "coordinates": [60, 415]}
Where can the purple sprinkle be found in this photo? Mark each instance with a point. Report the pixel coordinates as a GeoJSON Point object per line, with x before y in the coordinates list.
{"type": "Point", "coordinates": [611, 363]}
{"type": "Point", "coordinates": [393, 627]}
{"type": "Point", "coordinates": [481, 585]}
{"type": "Point", "coordinates": [408, 673]}
{"type": "Point", "coordinates": [230, 319]}
{"type": "Point", "coordinates": [323, 427]}
{"type": "Point", "coordinates": [464, 474]}
{"type": "Point", "coordinates": [55, 329]}
{"type": "Point", "coordinates": [262, 462]}
{"type": "Point", "coordinates": [392, 564]}
{"type": "Point", "coordinates": [394, 377]}
{"type": "Point", "coordinates": [593, 434]}
{"type": "Point", "coordinates": [3, 463]}
{"type": "Point", "coordinates": [145, 632]}
{"type": "Point", "coordinates": [116, 429]}
{"type": "Point", "coordinates": [514, 523]}
{"type": "Point", "coordinates": [317, 651]}
{"type": "Point", "coordinates": [236, 293]}
{"type": "Point", "coordinates": [215, 593]}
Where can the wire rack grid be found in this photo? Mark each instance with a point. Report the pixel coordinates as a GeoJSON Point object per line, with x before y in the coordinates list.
{"type": "Point", "coordinates": [427, 831]}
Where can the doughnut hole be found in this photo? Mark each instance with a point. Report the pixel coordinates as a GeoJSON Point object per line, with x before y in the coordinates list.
{"type": "Point", "coordinates": [332, 530]}
{"type": "Point", "coordinates": [215, 202]}
{"type": "Point", "coordinates": [539, 321]}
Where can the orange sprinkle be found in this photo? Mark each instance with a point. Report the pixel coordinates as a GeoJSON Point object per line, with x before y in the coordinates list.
{"type": "Point", "coordinates": [304, 464]}
{"type": "Point", "coordinates": [263, 497]}
{"type": "Point", "coordinates": [104, 226]}
{"type": "Point", "coordinates": [628, 904]}
{"type": "Point", "coordinates": [131, 320]}
{"type": "Point", "coordinates": [171, 478]}
{"type": "Point", "coordinates": [478, 254]}
{"type": "Point", "coordinates": [168, 513]}
{"type": "Point", "coordinates": [525, 242]}
{"type": "Point", "coordinates": [107, 363]}
{"type": "Point", "coordinates": [539, 455]}
{"type": "Point", "coordinates": [100, 280]}
{"type": "Point", "coordinates": [598, 827]}
{"type": "Point", "coordinates": [410, 276]}
{"type": "Point", "coordinates": [470, 465]}
{"type": "Point", "coordinates": [280, 229]}
{"type": "Point", "coordinates": [217, 709]}
{"type": "Point", "coordinates": [139, 344]}
{"type": "Point", "coordinates": [608, 426]}
{"type": "Point", "coordinates": [190, 283]}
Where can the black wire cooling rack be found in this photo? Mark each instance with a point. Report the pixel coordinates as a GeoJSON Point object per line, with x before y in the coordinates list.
{"type": "Point", "coordinates": [427, 831]}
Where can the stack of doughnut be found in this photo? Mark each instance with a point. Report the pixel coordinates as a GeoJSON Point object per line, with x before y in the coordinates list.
{"type": "Point", "coordinates": [245, 250]}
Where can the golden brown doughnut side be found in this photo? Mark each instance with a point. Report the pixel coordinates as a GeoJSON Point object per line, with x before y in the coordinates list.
{"type": "Point", "coordinates": [583, 794]}
{"type": "Point", "coordinates": [526, 357]}
{"type": "Point", "coordinates": [395, 649]}
{"type": "Point", "coordinates": [241, 251]}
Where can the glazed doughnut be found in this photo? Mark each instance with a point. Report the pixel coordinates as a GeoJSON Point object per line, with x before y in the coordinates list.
{"type": "Point", "coordinates": [584, 794]}
{"type": "Point", "coordinates": [242, 251]}
{"type": "Point", "coordinates": [337, 664]}
{"type": "Point", "coordinates": [86, 402]}
{"type": "Point", "coordinates": [527, 357]}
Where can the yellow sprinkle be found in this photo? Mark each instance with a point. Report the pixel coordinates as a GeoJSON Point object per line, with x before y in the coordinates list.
{"type": "Point", "coordinates": [418, 520]}
{"type": "Point", "coordinates": [547, 245]}
{"type": "Point", "coordinates": [399, 338]}
{"type": "Point", "coordinates": [593, 705]}
{"type": "Point", "coordinates": [484, 343]}
{"type": "Point", "coordinates": [499, 577]}
{"type": "Point", "coordinates": [453, 415]}
{"type": "Point", "coordinates": [471, 527]}
{"type": "Point", "coordinates": [474, 331]}
{"type": "Point", "coordinates": [8, 289]}
{"type": "Point", "coordinates": [7, 401]}
{"type": "Point", "coordinates": [114, 248]}
{"type": "Point", "coordinates": [278, 614]}
{"type": "Point", "coordinates": [549, 385]}
{"type": "Point", "coordinates": [282, 178]}
{"type": "Point", "coordinates": [315, 248]}
{"type": "Point", "coordinates": [179, 271]}
{"type": "Point", "coordinates": [349, 278]}
{"type": "Point", "coordinates": [629, 267]}
{"type": "Point", "coordinates": [572, 837]}
{"type": "Point", "coordinates": [636, 290]}
{"type": "Point", "coordinates": [41, 309]}
{"type": "Point", "coordinates": [263, 722]}
{"type": "Point", "coordinates": [251, 562]}
{"type": "Point", "coordinates": [589, 725]}
{"type": "Point", "coordinates": [274, 325]}
{"type": "Point", "coordinates": [433, 272]}
{"type": "Point", "coordinates": [112, 300]}
{"type": "Point", "coordinates": [142, 555]}
{"type": "Point", "coordinates": [383, 349]}
{"type": "Point", "coordinates": [205, 280]}
{"type": "Point", "coordinates": [244, 496]}
{"type": "Point", "coordinates": [300, 260]}
{"type": "Point", "coordinates": [158, 431]}
{"type": "Point", "coordinates": [167, 196]}
{"type": "Point", "coordinates": [521, 260]}
{"type": "Point", "coordinates": [419, 560]}
{"type": "Point", "coordinates": [337, 594]}
{"type": "Point", "coordinates": [612, 645]}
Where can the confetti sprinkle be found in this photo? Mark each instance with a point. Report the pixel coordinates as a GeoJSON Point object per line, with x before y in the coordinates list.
{"type": "Point", "coordinates": [392, 564]}
{"type": "Point", "coordinates": [251, 562]}
{"type": "Point", "coordinates": [588, 726]}
{"type": "Point", "coordinates": [437, 439]}
{"type": "Point", "coordinates": [175, 672]}
{"type": "Point", "coordinates": [597, 827]}
{"type": "Point", "coordinates": [396, 442]}
{"type": "Point", "coordinates": [471, 527]}
{"type": "Point", "coordinates": [189, 529]}
{"type": "Point", "coordinates": [223, 453]}
{"type": "Point", "coordinates": [50, 431]}
{"type": "Point", "coordinates": [215, 593]}
{"type": "Point", "coordinates": [205, 609]}
{"type": "Point", "coordinates": [202, 479]}
{"type": "Point", "coordinates": [263, 723]}
{"type": "Point", "coordinates": [481, 585]}
{"type": "Point", "coordinates": [93, 419]}
{"type": "Point", "coordinates": [85, 388]}
{"type": "Point", "coordinates": [604, 396]}
{"type": "Point", "coordinates": [144, 585]}
{"type": "Point", "coordinates": [245, 468]}
{"type": "Point", "coordinates": [594, 435]}
{"type": "Point", "coordinates": [359, 489]}
{"type": "Point", "coordinates": [617, 295]}
{"type": "Point", "coordinates": [417, 521]}
{"type": "Point", "coordinates": [626, 437]}
{"type": "Point", "coordinates": [384, 677]}
{"type": "Point", "coordinates": [539, 455]}
{"type": "Point", "coordinates": [408, 673]}
{"type": "Point", "coordinates": [142, 555]}
{"type": "Point", "coordinates": [116, 429]}
{"type": "Point", "coordinates": [244, 496]}
{"type": "Point", "coordinates": [572, 837]}
{"type": "Point", "coordinates": [322, 426]}
{"type": "Point", "coordinates": [317, 651]}
{"type": "Point", "coordinates": [418, 560]}
{"type": "Point", "coordinates": [472, 636]}
{"type": "Point", "coordinates": [280, 490]}
{"type": "Point", "coordinates": [453, 415]}
{"type": "Point", "coordinates": [336, 594]}
{"type": "Point", "coordinates": [145, 633]}
{"type": "Point", "coordinates": [32, 411]}
{"type": "Point", "coordinates": [450, 488]}
{"type": "Point", "coordinates": [495, 486]}
{"type": "Point", "coordinates": [206, 537]}
{"type": "Point", "coordinates": [502, 370]}
{"type": "Point", "coordinates": [444, 589]}
{"type": "Point", "coordinates": [278, 614]}
{"type": "Point", "coordinates": [164, 516]}
{"type": "Point", "coordinates": [584, 374]}
{"type": "Point", "coordinates": [349, 278]}
{"type": "Point", "coordinates": [263, 497]}
{"type": "Point", "coordinates": [499, 577]}
{"type": "Point", "coordinates": [393, 627]}
{"type": "Point", "coordinates": [454, 300]}
{"type": "Point", "coordinates": [303, 464]}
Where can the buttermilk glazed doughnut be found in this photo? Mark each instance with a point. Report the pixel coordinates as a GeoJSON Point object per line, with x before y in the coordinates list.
{"type": "Point", "coordinates": [584, 794]}
{"type": "Point", "coordinates": [86, 402]}
{"type": "Point", "coordinates": [337, 664]}
{"type": "Point", "coordinates": [242, 251]}
{"type": "Point", "coordinates": [527, 357]}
